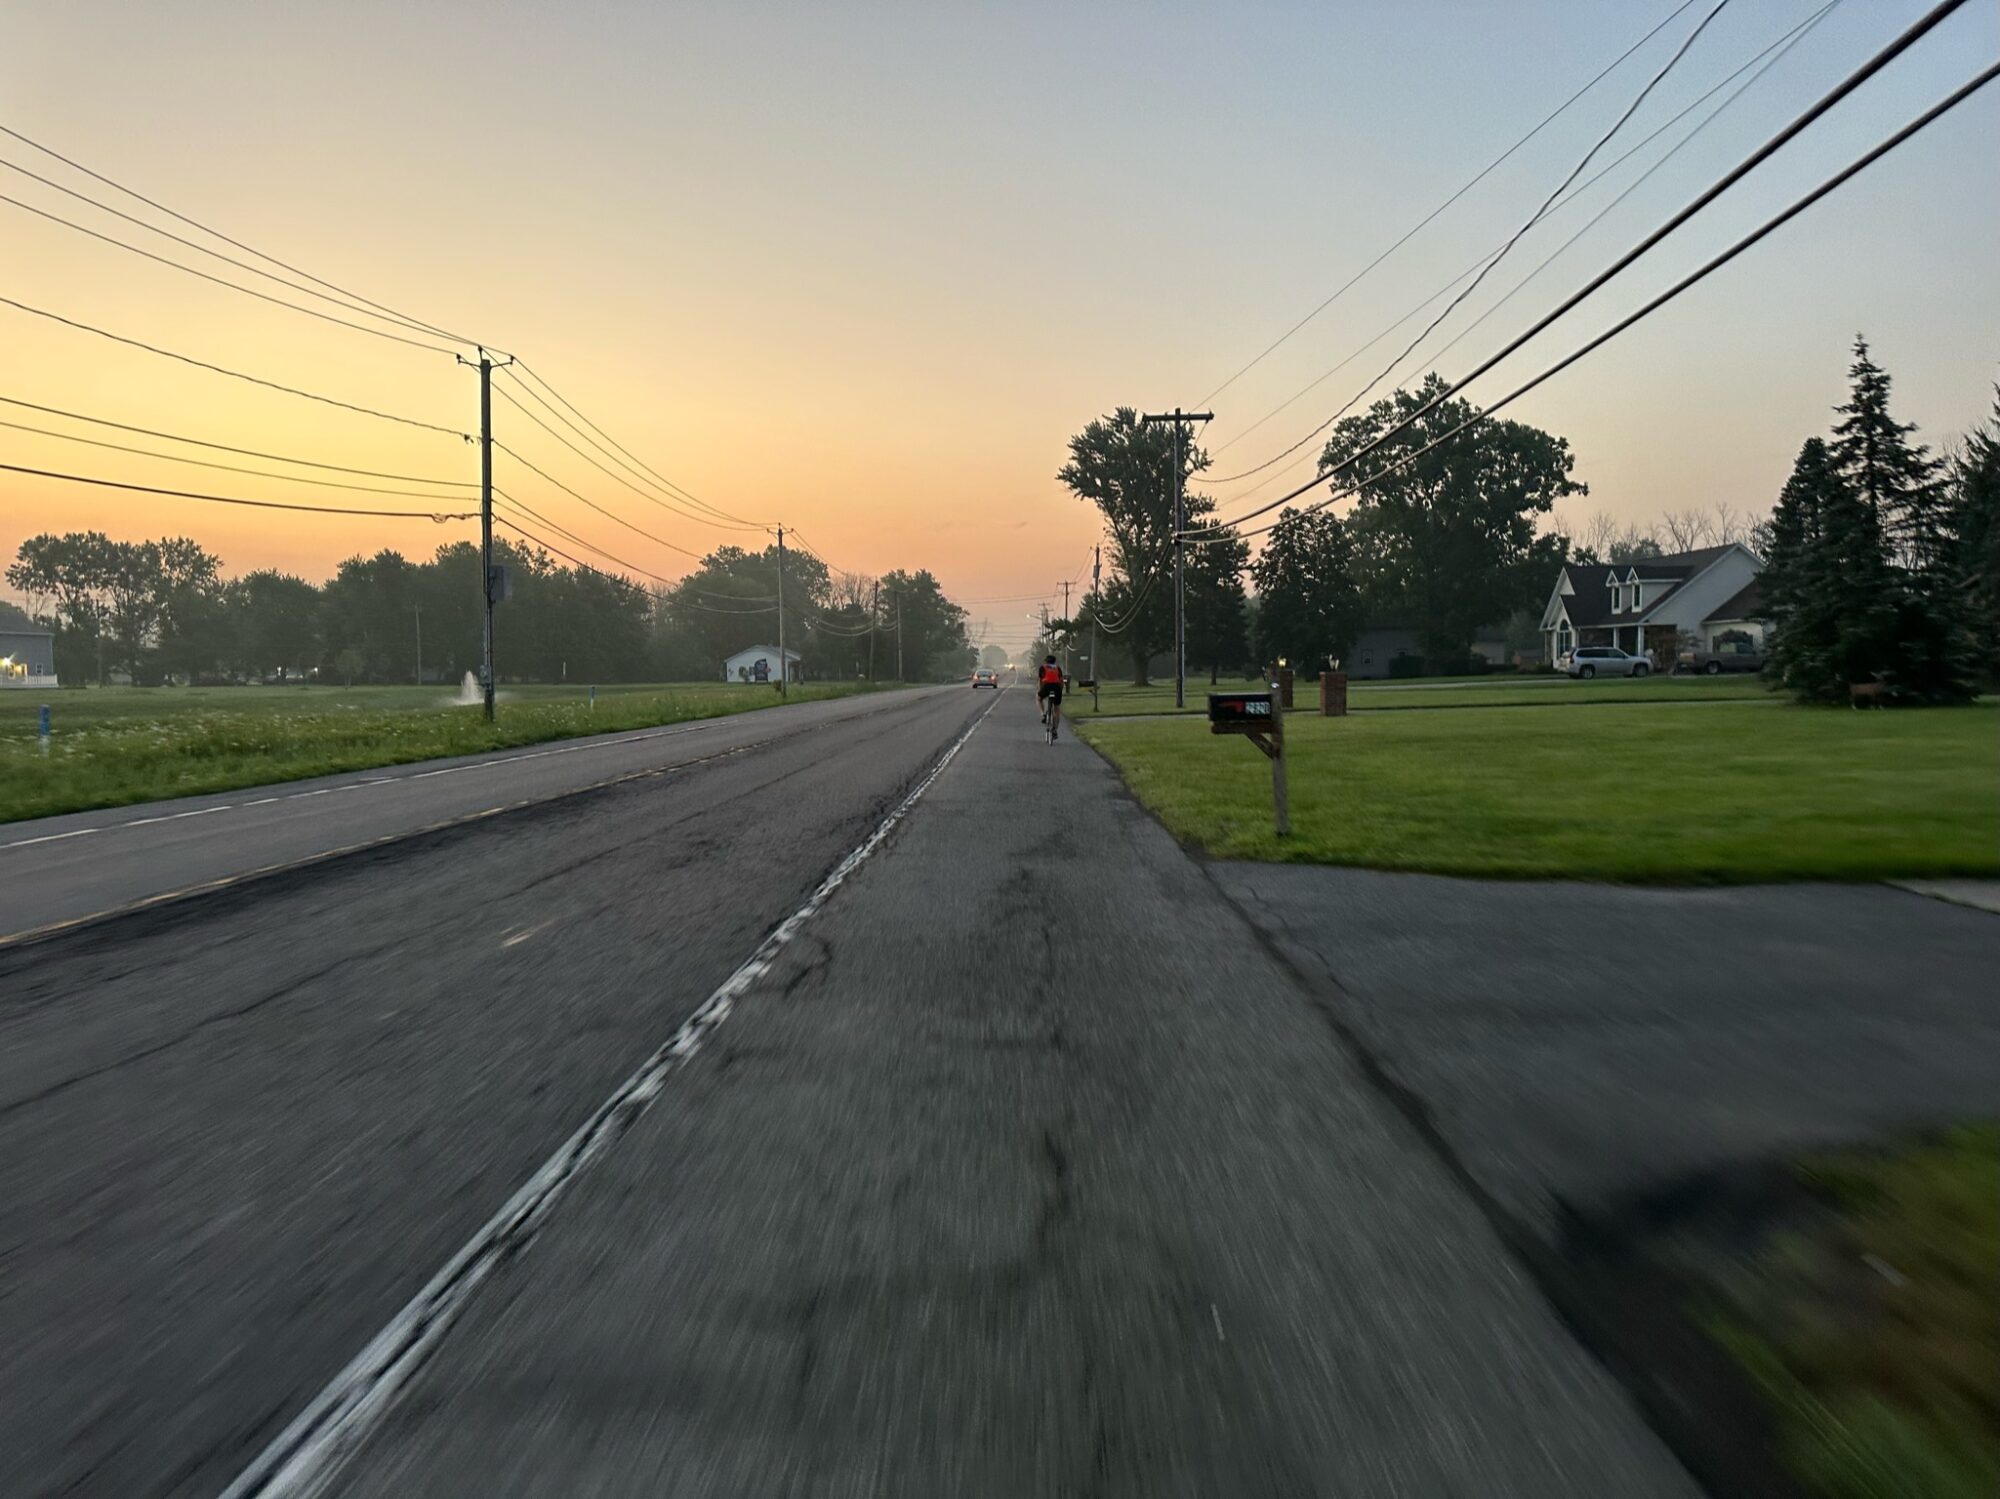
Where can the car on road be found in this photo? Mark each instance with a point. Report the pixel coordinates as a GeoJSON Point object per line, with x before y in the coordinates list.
{"type": "Point", "coordinates": [985, 678]}
{"type": "Point", "coordinates": [1728, 655]}
{"type": "Point", "coordinates": [1605, 661]}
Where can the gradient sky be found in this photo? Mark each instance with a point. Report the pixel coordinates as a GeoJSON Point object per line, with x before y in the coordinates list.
{"type": "Point", "coordinates": [865, 268]}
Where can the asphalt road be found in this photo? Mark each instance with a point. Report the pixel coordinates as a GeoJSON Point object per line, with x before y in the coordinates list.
{"type": "Point", "coordinates": [973, 1185]}
{"type": "Point", "coordinates": [1633, 1040]}
{"type": "Point", "coordinates": [59, 870]}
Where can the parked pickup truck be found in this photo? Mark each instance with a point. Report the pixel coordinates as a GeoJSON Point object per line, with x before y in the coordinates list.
{"type": "Point", "coordinates": [1731, 656]}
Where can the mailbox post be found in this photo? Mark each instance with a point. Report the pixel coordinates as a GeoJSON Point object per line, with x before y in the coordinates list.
{"type": "Point", "coordinates": [1260, 718]}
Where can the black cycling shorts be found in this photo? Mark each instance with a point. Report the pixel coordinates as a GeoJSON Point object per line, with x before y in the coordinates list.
{"type": "Point", "coordinates": [1050, 690]}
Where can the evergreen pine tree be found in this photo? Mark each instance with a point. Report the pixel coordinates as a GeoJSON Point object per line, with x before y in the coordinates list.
{"type": "Point", "coordinates": [1976, 515]}
{"type": "Point", "coordinates": [1827, 584]}
{"type": "Point", "coordinates": [1910, 510]}
{"type": "Point", "coordinates": [1900, 480]}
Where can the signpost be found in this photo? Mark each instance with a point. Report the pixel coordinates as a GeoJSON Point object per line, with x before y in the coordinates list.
{"type": "Point", "coordinates": [1260, 718]}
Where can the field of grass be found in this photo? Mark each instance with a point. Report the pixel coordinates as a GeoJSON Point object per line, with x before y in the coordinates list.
{"type": "Point", "coordinates": [1651, 792]}
{"type": "Point", "coordinates": [1872, 1326]}
{"type": "Point", "coordinates": [1499, 691]}
{"type": "Point", "coordinates": [116, 745]}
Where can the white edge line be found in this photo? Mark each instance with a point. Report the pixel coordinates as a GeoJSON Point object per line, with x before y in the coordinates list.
{"type": "Point", "coordinates": [307, 1454]}
{"type": "Point", "coordinates": [52, 837]}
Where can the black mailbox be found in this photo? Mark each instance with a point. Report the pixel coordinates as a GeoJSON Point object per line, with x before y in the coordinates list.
{"type": "Point", "coordinates": [1239, 712]}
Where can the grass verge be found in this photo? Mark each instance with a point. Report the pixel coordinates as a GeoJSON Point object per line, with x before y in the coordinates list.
{"type": "Point", "coordinates": [1664, 793]}
{"type": "Point", "coordinates": [1509, 691]}
{"type": "Point", "coordinates": [115, 746]}
{"type": "Point", "coordinates": [1872, 1326]}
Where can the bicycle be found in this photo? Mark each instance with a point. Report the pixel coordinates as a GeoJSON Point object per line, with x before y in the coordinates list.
{"type": "Point", "coordinates": [1052, 715]}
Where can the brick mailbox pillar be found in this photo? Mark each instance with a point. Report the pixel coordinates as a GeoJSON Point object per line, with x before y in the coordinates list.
{"type": "Point", "coordinates": [1280, 677]}
{"type": "Point", "coordinates": [1333, 694]}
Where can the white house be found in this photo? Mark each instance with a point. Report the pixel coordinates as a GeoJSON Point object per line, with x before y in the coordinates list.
{"type": "Point", "coordinates": [27, 650]}
{"type": "Point", "coordinates": [759, 663]}
{"type": "Point", "coordinates": [1657, 604]}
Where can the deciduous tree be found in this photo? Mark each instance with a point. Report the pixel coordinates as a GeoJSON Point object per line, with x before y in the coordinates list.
{"type": "Point", "coordinates": [1449, 540]}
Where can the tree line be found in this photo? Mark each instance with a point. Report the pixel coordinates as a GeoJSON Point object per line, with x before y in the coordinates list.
{"type": "Point", "coordinates": [163, 611]}
{"type": "Point", "coordinates": [1881, 558]}
{"type": "Point", "coordinates": [1446, 543]}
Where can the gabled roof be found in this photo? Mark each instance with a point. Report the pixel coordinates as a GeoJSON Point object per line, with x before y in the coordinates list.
{"type": "Point", "coordinates": [16, 621]}
{"type": "Point", "coordinates": [1585, 588]}
{"type": "Point", "coordinates": [1746, 603]}
{"type": "Point", "coordinates": [1589, 602]}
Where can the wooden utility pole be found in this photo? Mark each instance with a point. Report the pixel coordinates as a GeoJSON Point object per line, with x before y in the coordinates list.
{"type": "Point", "coordinates": [784, 671]}
{"type": "Point", "coordinates": [874, 618]}
{"type": "Point", "coordinates": [488, 583]}
{"type": "Point", "coordinates": [1180, 419]}
{"type": "Point", "coordinates": [1069, 629]}
{"type": "Point", "coordinates": [1096, 676]}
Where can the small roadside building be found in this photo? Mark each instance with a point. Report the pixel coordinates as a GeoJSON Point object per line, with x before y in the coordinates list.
{"type": "Point", "coordinates": [27, 651]}
{"type": "Point", "coordinates": [759, 663]}
{"type": "Point", "coordinates": [1658, 604]}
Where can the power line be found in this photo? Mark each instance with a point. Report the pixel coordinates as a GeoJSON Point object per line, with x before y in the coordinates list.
{"type": "Point", "coordinates": [1929, 117]}
{"type": "Point", "coordinates": [223, 499]}
{"type": "Point", "coordinates": [609, 473]}
{"type": "Point", "coordinates": [232, 468]}
{"type": "Point", "coordinates": [1482, 270]}
{"type": "Point", "coordinates": [289, 390]}
{"type": "Point", "coordinates": [678, 489]}
{"type": "Point", "coordinates": [327, 317]}
{"type": "Point", "coordinates": [1542, 212]}
{"type": "Point", "coordinates": [671, 502]}
{"type": "Point", "coordinates": [401, 317]}
{"type": "Point", "coordinates": [586, 500]}
{"type": "Point", "coordinates": [1471, 183]}
{"type": "Point", "coordinates": [1840, 91]}
{"type": "Point", "coordinates": [337, 468]}
{"type": "Point", "coordinates": [587, 545]}
{"type": "Point", "coordinates": [199, 248]}
{"type": "Point", "coordinates": [1780, 47]}
{"type": "Point", "coordinates": [526, 534]}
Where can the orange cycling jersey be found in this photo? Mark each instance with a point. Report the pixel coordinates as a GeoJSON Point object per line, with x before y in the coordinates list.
{"type": "Point", "coordinates": [1052, 676]}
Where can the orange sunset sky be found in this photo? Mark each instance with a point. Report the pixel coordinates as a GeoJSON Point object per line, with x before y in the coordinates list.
{"type": "Point", "coordinates": [863, 269]}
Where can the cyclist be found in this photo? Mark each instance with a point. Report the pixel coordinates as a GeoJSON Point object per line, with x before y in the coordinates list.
{"type": "Point", "coordinates": [1048, 693]}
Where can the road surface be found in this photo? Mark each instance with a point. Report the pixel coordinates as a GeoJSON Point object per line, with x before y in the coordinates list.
{"type": "Point", "coordinates": [995, 1156]}
{"type": "Point", "coordinates": [82, 865]}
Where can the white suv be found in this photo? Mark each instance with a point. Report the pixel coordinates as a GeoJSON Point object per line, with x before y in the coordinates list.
{"type": "Point", "coordinates": [1605, 661]}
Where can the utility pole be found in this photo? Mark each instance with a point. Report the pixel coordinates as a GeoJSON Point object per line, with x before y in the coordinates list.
{"type": "Point", "coordinates": [1069, 629]}
{"type": "Point", "coordinates": [1096, 676]}
{"type": "Point", "coordinates": [896, 604]}
{"type": "Point", "coordinates": [419, 608]}
{"type": "Point", "coordinates": [874, 618]}
{"type": "Point", "coordinates": [1180, 419]}
{"type": "Point", "coordinates": [784, 671]}
{"type": "Point", "coordinates": [486, 583]}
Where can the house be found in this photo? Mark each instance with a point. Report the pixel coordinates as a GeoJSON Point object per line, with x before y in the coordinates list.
{"type": "Point", "coordinates": [27, 651]}
{"type": "Point", "coordinates": [759, 663]}
{"type": "Point", "coordinates": [1378, 645]}
{"type": "Point", "coordinates": [1657, 604]}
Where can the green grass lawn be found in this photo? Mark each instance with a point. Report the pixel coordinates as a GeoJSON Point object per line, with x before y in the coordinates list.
{"type": "Point", "coordinates": [1872, 1325]}
{"type": "Point", "coordinates": [113, 746]}
{"type": "Point", "coordinates": [1498, 691]}
{"type": "Point", "coordinates": [1650, 792]}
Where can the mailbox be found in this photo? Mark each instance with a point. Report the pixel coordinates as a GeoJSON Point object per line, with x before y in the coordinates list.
{"type": "Point", "coordinates": [1260, 718]}
{"type": "Point", "coordinates": [1239, 712]}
